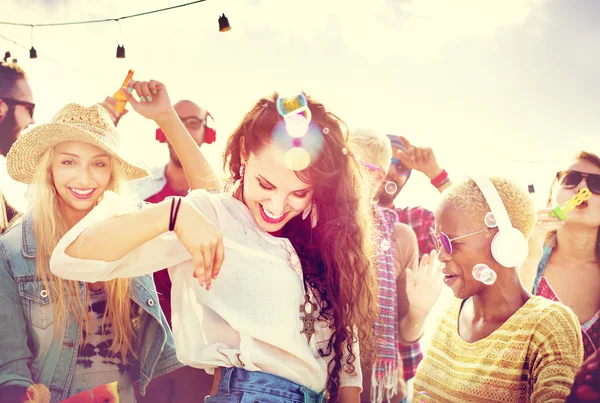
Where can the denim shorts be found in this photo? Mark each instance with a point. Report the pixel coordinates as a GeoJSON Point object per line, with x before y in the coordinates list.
{"type": "Point", "coordinates": [240, 386]}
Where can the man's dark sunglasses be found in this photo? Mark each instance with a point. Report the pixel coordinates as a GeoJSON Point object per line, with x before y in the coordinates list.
{"type": "Point", "coordinates": [570, 179]}
{"type": "Point", "coordinates": [14, 102]}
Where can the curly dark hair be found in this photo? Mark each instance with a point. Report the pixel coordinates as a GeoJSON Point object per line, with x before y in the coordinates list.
{"type": "Point", "coordinates": [336, 255]}
{"type": "Point", "coordinates": [10, 73]}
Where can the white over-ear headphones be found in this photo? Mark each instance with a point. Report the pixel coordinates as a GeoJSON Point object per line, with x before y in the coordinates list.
{"type": "Point", "coordinates": [509, 246]}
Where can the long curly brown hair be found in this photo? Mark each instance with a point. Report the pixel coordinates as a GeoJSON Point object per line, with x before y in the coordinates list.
{"type": "Point", "coordinates": [337, 254]}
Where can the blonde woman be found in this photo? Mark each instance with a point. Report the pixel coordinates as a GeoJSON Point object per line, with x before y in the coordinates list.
{"type": "Point", "coordinates": [67, 336]}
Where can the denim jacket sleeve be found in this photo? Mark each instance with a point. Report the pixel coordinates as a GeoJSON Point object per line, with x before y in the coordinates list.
{"type": "Point", "coordinates": [15, 356]}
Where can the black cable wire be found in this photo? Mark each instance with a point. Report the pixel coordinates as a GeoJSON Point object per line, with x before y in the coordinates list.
{"type": "Point", "coordinates": [96, 79]}
{"type": "Point", "coordinates": [103, 20]}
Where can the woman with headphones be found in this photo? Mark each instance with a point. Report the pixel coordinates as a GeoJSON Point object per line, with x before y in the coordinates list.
{"type": "Point", "coordinates": [497, 342]}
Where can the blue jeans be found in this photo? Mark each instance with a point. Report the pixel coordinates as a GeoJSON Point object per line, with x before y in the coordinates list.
{"type": "Point", "coordinates": [240, 386]}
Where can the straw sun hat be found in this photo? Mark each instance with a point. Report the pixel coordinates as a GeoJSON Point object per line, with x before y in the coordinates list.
{"type": "Point", "coordinates": [74, 122]}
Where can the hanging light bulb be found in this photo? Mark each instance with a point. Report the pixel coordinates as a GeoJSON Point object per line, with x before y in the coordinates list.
{"type": "Point", "coordinates": [224, 24]}
{"type": "Point", "coordinates": [32, 51]}
{"type": "Point", "coordinates": [120, 51]}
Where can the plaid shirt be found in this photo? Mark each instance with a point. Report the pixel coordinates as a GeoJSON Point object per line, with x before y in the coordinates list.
{"type": "Point", "coordinates": [421, 220]}
{"type": "Point", "coordinates": [411, 357]}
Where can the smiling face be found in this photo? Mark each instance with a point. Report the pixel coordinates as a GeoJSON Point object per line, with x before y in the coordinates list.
{"type": "Point", "coordinates": [587, 213]}
{"type": "Point", "coordinates": [81, 174]}
{"type": "Point", "coordinates": [273, 193]}
{"type": "Point", "coordinates": [466, 252]}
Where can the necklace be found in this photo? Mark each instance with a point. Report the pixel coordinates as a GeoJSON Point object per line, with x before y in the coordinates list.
{"type": "Point", "coordinates": [308, 308]}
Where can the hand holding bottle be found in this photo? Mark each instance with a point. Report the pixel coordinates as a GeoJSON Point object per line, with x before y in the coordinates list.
{"type": "Point", "coordinates": [154, 102]}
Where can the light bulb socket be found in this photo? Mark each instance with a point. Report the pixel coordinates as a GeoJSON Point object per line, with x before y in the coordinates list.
{"type": "Point", "coordinates": [120, 51]}
{"type": "Point", "coordinates": [32, 53]}
{"type": "Point", "coordinates": [224, 24]}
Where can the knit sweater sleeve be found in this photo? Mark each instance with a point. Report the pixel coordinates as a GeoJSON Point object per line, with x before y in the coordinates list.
{"type": "Point", "coordinates": [558, 355]}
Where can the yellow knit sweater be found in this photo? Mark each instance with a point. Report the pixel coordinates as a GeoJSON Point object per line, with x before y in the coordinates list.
{"type": "Point", "coordinates": [532, 357]}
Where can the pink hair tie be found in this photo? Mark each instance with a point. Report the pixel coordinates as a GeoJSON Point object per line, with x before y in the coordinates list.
{"type": "Point", "coordinates": [374, 168]}
{"type": "Point", "coordinates": [371, 167]}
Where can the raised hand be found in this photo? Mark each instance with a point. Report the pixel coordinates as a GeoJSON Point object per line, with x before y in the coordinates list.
{"type": "Point", "coordinates": [586, 387]}
{"type": "Point", "coordinates": [154, 102]}
{"type": "Point", "coordinates": [544, 226]}
{"type": "Point", "coordinates": [202, 241]}
{"type": "Point", "coordinates": [424, 284]}
{"type": "Point", "coordinates": [36, 393]}
{"type": "Point", "coordinates": [418, 158]}
{"type": "Point", "coordinates": [110, 104]}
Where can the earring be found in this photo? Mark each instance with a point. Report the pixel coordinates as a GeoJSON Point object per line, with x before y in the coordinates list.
{"type": "Point", "coordinates": [307, 211]}
{"type": "Point", "coordinates": [312, 210]}
{"type": "Point", "coordinates": [242, 170]}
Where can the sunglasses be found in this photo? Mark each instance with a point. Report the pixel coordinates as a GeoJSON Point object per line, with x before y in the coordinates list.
{"type": "Point", "coordinates": [402, 170]}
{"type": "Point", "coordinates": [14, 102]}
{"type": "Point", "coordinates": [443, 240]}
{"type": "Point", "coordinates": [192, 122]}
{"type": "Point", "coordinates": [570, 179]}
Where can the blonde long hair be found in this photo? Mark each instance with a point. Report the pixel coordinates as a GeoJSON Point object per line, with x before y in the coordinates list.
{"type": "Point", "coordinates": [49, 226]}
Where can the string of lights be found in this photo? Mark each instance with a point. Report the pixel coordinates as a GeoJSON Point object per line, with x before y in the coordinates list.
{"type": "Point", "coordinates": [56, 24]}
{"type": "Point", "coordinates": [223, 25]}
{"type": "Point", "coordinates": [7, 55]}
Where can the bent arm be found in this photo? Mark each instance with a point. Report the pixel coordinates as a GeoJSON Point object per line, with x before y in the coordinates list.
{"type": "Point", "coordinates": [118, 241]}
{"type": "Point", "coordinates": [198, 171]}
{"type": "Point", "coordinates": [405, 249]}
{"type": "Point", "coordinates": [558, 357]}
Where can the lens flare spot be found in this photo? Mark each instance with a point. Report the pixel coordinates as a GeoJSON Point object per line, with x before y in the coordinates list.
{"type": "Point", "coordinates": [490, 220]}
{"type": "Point", "coordinates": [483, 273]}
{"type": "Point", "coordinates": [297, 159]}
{"type": "Point", "coordinates": [296, 125]}
{"type": "Point", "coordinates": [391, 187]}
{"type": "Point", "coordinates": [287, 104]}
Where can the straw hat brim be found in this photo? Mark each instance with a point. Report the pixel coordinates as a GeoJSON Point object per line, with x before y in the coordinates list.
{"type": "Point", "coordinates": [23, 157]}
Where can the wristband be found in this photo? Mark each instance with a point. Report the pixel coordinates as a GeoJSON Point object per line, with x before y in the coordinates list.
{"type": "Point", "coordinates": [175, 203]}
{"type": "Point", "coordinates": [438, 180]}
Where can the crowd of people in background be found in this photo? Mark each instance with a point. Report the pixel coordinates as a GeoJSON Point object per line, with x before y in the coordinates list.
{"type": "Point", "coordinates": [287, 281]}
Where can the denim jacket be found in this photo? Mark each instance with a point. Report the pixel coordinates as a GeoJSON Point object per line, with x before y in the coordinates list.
{"type": "Point", "coordinates": [31, 351]}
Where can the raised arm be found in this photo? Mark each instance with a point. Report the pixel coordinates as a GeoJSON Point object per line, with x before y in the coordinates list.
{"type": "Point", "coordinates": [544, 226]}
{"type": "Point", "coordinates": [157, 106]}
{"type": "Point", "coordinates": [113, 241]}
{"type": "Point", "coordinates": [423, 160]}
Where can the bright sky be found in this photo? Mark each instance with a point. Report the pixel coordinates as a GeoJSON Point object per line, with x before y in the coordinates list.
{"type": "Point", "coordinates": [490, 85]}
